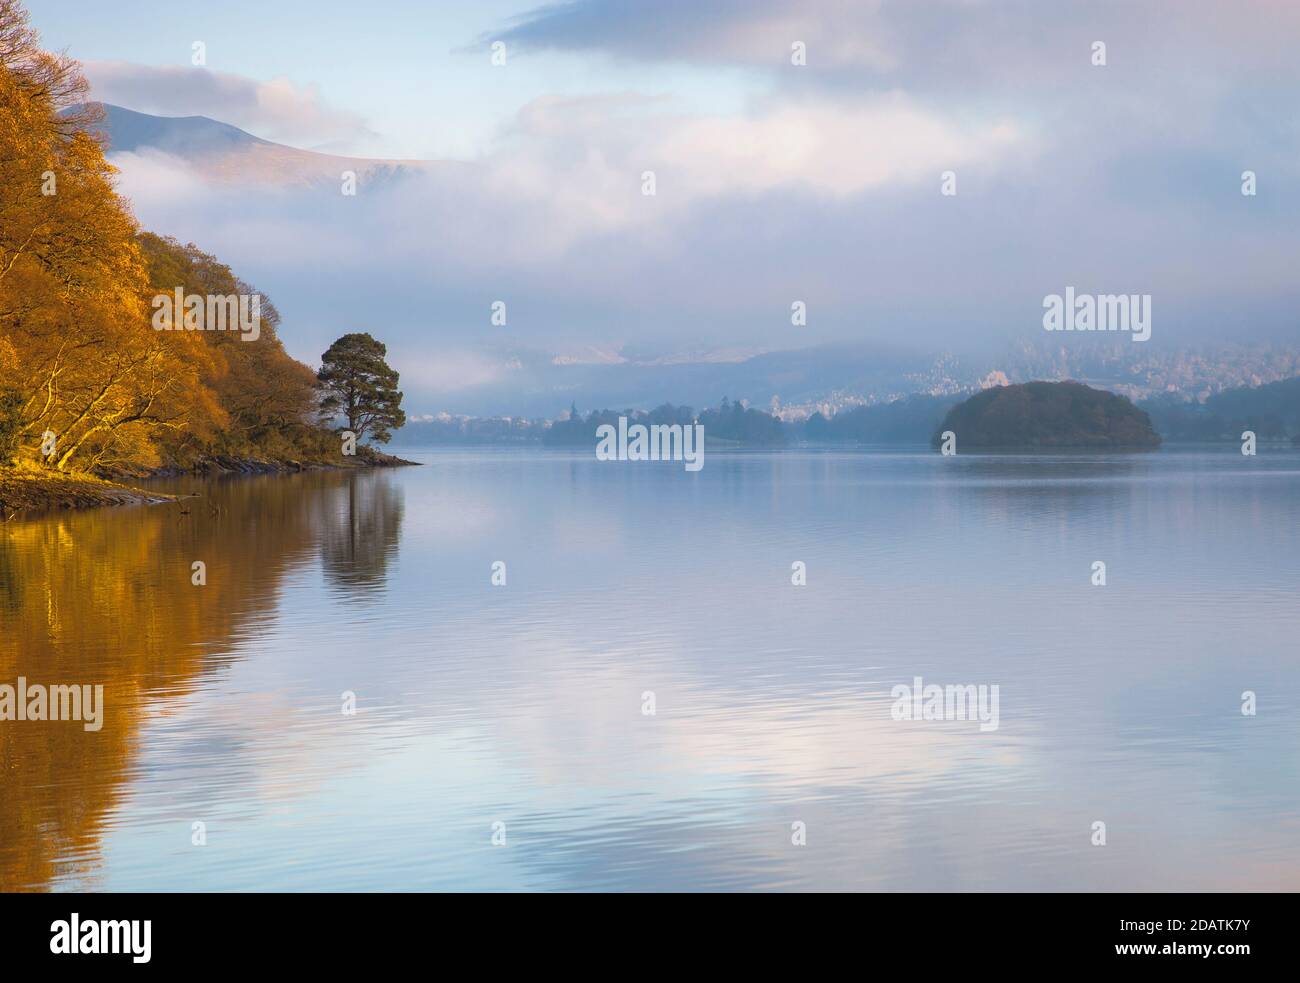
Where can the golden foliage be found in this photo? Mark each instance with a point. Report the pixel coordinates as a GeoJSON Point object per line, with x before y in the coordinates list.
{"type": "Point", "coordinates": [77, 346]}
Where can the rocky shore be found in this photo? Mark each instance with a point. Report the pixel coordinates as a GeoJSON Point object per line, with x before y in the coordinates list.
{"type": "Point", "coordinates": [26, 489]}
{"type": "Point", "coordinates": [29, 490]}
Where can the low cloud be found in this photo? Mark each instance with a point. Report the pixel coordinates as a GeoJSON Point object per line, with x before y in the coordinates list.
{"type": "Point", "coordinates": [157, 177]}
{"type": "Point", "coordinates": [583, 161]}
{"type": "Point", "coordinates": [1123, 178]}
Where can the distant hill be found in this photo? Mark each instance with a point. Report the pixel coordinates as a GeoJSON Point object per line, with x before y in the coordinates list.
{"type": "Point", "coordinates": [184, 136]}
{"type": "Point", "coordinates": [224, 153]}
{"type": "Point", "coordinates": [1048, 414]}
{"type": "Point", "coordinates": [1272, 411]}
{"type": "Point", "coordinates": [910, 420]}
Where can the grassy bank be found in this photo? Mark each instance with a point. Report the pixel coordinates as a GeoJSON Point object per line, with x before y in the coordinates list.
{"type": "Point", "coordinates": [25, 489]}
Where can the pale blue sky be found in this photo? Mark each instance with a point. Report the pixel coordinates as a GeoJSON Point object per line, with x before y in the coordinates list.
{"type": "Point", "coordinates": [407, 67]}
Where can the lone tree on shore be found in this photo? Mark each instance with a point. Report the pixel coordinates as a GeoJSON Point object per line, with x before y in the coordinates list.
{"type": "Point", "coordinates": [361, 387]}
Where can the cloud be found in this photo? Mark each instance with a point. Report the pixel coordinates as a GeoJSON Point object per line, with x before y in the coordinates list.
{"type": "Point", "coordinates": [446, 371]}
{"type": "Point", "coordinates": [847, 32]}
{"type": "Point", "coordinates": [1123, 178]}
{"type": "Point", "coordinates": [158, 177]}
{"type": "Point", "coordinates": [581, 161]}
{"type": "Point", "coordinates": [949, 41]}
{"type": "Point", "coordinates": [277, 110]}
{"type": "Point", "coordinates": [837, 149]}
{"type": "Point", "coordinates": [835, 203]}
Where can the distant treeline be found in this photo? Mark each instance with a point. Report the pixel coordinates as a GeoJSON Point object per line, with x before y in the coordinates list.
{"type": "Point", "coordinates": [911, 420]}
{"type": "Point", "coordinates": [1271, 411]}
{"type": "Point", "coordinates": [731, 422]}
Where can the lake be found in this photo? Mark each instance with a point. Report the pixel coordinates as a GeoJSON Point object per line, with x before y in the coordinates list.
{"type": "Point", "coordinates": [648, 702]}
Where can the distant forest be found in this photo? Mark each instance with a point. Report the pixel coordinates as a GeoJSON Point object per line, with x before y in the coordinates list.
{"type": "Point", "coordinates": [1271, 411]}
{"type": "Point", "coordinates": [911, 420]}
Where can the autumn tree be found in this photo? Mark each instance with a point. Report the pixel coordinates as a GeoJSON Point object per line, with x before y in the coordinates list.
{"type": "Point", "coordinates": [90, 370]}
{"type": "Point", "coordinates": [11, 402]}
{"type": "Point", "coordinates": [268, 399]}
{"type": "Point", "coordinates": [359, 385]}
{"type": "Point", "coordinates": [83, 372]}
{"type": "Point", "coordinates": [81, 365]}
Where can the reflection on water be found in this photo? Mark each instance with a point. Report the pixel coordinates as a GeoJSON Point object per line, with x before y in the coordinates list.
{"type": "Point", "coordinates": [522, 704]}
{"type": "Point", "coordinates": [105, 597]}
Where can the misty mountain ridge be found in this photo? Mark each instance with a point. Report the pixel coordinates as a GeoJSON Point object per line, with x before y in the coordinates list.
{"type": "Point", "coordinates": [182, 136]}
{"type": "Point", "coordinates": [225, 154]}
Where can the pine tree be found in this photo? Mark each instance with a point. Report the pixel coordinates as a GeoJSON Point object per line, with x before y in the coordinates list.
{"type": "Point", "coordinates": [361, 387]}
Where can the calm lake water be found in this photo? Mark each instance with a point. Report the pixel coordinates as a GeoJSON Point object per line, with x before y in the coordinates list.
{"type": "Point", "coordinates": [523, 704]}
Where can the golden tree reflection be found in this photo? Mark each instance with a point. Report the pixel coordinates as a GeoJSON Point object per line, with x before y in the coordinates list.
{"type": "Point", "coordinates": [105, 597]}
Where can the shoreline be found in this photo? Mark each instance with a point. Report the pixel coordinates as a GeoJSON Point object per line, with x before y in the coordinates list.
{"type": "Point", "coordinates": [24, 491]}
{"type": "Point", "coordinates": [30, 491]}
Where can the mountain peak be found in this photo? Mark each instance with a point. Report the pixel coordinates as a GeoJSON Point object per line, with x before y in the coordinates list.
{"type": "Point", "coordinates": [222, 153]}
{"type": "Point", "coordinates": [129, 131]}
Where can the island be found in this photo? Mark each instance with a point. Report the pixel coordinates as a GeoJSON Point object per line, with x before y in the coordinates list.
{"type": "Point", "coordinates": [1048, 415]}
